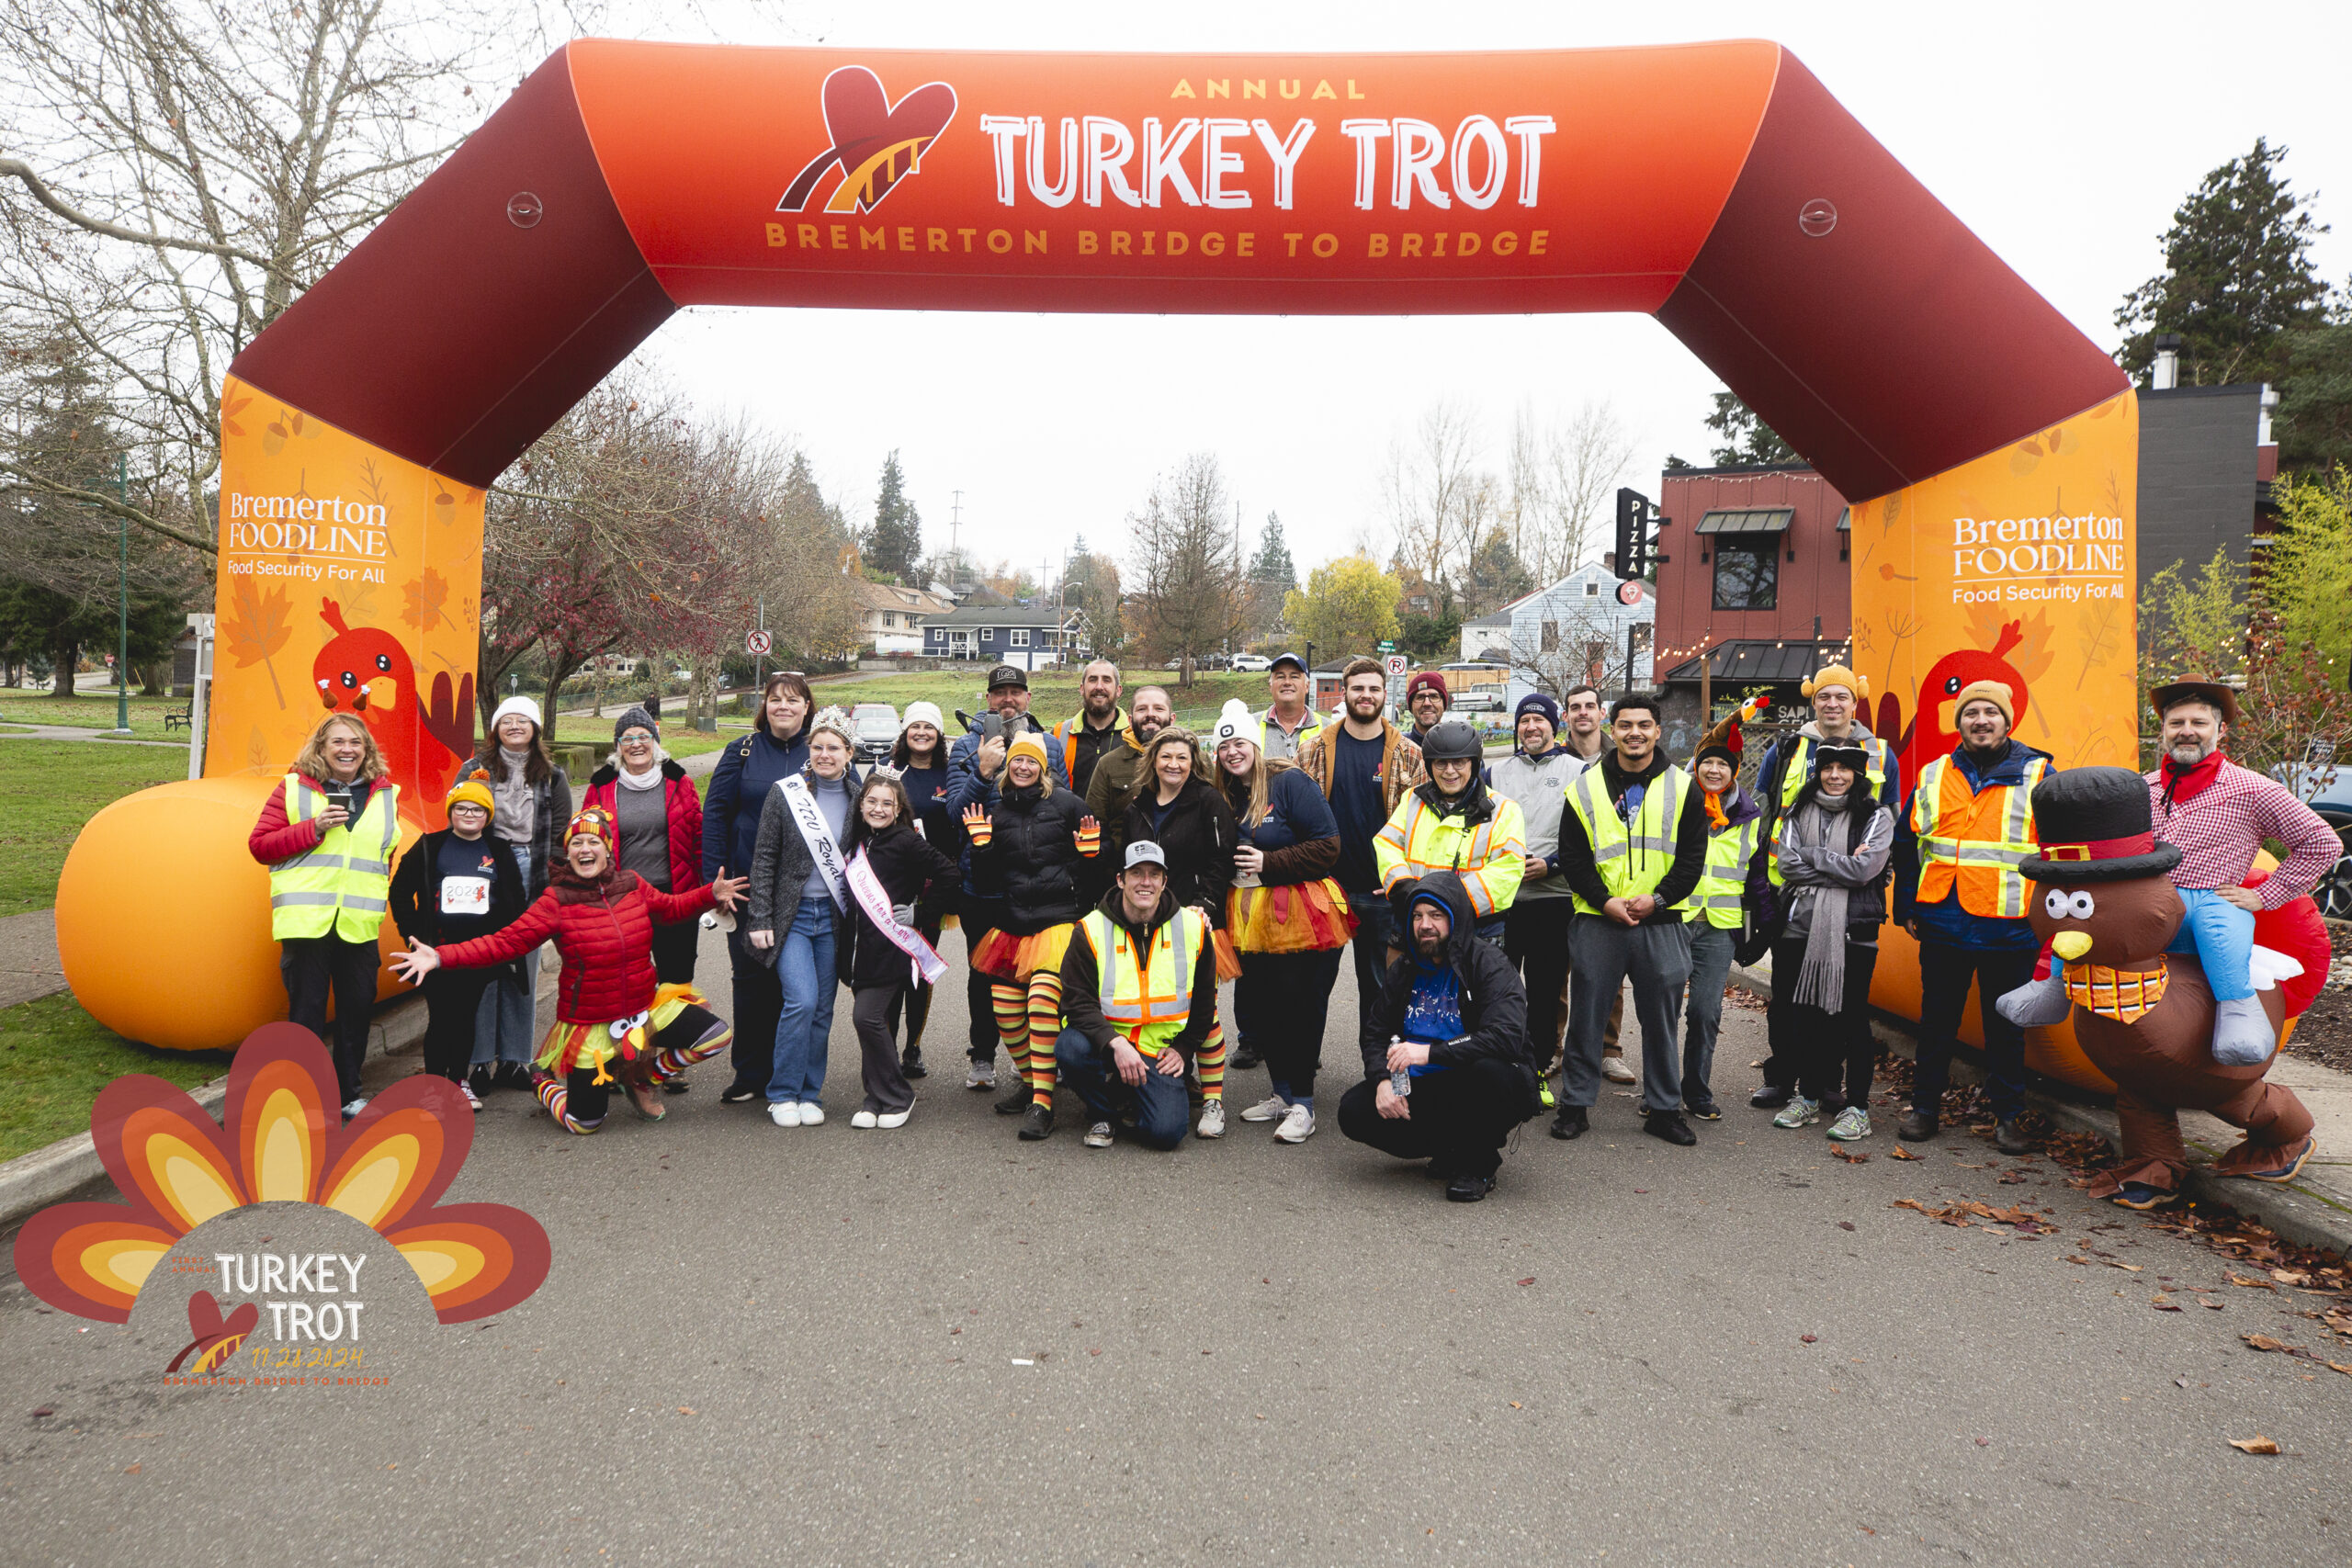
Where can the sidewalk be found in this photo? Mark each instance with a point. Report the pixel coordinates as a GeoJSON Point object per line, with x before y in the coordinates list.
{"type": "Point", "coordinates": [2315, 1210]}
{"type": "Point", "coordinates": [28, 966]}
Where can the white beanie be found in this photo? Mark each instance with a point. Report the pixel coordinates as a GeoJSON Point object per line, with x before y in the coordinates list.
{"type": "Point", "coordinates": [521, 705]}
{"type": "Point", "coordinates": [923, 712]}
{"type": "Point", "coordinates": [1236, 722]}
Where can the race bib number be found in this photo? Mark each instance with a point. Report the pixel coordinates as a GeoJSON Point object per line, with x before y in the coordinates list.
{"type": "Point", "coordinates": [465, 896]}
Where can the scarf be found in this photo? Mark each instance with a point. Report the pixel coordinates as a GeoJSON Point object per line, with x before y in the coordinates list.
{"type": "Point", "coordinates": [1821, 979]}
{"type": "Point", "coordinates": [650, 779]}
{"type": "Point", "coordinates": [516, 812]}
{"type": "Point", "coordinates": [1715, 817]}
{"type": "Point", "coordinates": [2185, 784]}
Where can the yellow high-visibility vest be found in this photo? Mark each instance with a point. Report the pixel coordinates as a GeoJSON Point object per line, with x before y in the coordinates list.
{"type": "Point", "coordinates": [1722, 885]}
{"type": "Point", "coordinates": [1631, 857]}
{"type": "Point", "coordinates": [1974, 839]}
{"type": "Point", "coordinates": [1492, 859]}
{"type": "Point", "coordinates": [344, 882]}
{"type": "Point", "coordinates": [1147, 996]}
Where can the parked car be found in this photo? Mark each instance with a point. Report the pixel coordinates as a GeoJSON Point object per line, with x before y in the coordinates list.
{"type": "Point", "coordinates": [1478, 700]}
{"type": "Point", "coordinates": [1252, 663]}
{"type": "Point", "coordinates": [877, 728]}
{"type": "Point", "coordinates": [2327, 787]}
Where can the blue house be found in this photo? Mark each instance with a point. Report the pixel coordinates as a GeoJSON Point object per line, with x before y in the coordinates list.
{"type": "Point", "coordinates": [997, 634]}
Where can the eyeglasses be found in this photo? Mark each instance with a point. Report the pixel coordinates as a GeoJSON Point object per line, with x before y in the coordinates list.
{"type": "Point", "coordinates": [637, 737]}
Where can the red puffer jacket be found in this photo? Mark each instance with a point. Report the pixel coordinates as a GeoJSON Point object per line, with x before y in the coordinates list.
{"type": "Point", "coordinates": [604, 935]}
{"type": "Point", "coordinates": [682, 805]}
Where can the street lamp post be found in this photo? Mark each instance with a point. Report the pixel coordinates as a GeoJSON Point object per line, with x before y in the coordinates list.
{"type": "Point", "coordinates": [122, 620]}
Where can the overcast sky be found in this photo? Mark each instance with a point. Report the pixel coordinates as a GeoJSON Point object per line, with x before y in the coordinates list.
{"type": "Point", "coordinates": [2064, 134]}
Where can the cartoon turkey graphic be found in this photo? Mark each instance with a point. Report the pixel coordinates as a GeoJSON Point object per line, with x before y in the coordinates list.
{"type": "Point", "coordinates": [2016, 652]}
{"type": "Point", "coordinates": [422, 742]}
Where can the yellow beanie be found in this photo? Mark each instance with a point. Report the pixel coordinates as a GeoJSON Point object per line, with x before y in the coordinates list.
{"type": "Point", "coordinates": [1993, 692]}
{"type": "Point", "coordinates": [470, 792]}
{"type": "Point", "coordinates": [1836, 675]}
{"type": "Point", "coordinates": [1028, 743]}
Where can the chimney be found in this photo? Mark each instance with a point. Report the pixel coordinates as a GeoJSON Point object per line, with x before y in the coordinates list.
{"type": "Point", "coordinates": [2269, 406]}
{"type": "Point", "coordinates": [2167, 371]}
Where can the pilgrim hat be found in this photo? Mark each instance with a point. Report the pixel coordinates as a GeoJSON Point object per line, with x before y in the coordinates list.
{"type": "Point", "coordinates": [2095, 826]}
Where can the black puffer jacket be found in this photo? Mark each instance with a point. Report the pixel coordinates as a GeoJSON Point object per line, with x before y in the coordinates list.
{"type": "Point", "coordinates": [1494, 1004]}
{"type": "Point", "coordinates": [907, 865]}
{"type": "Point", "coordinates": [1031, 858]}
{"type": "Point", "coordinates": [1198, 838]}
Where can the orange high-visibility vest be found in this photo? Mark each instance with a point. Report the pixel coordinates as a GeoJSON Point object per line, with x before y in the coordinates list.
{"type": "Point", "coordinates": [1974, 839]}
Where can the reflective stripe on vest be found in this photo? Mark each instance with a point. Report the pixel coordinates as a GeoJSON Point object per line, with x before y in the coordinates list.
{"type": "Point", "coordinates": [1974, 840]}
{"type": "Point", "coordinates": [1148, 1001]}
{"type": "Point", "coordinates": [1799, 768]}
{"type": "Point", "coordinates": [344, 882]}
{"type": "Point", "coordinates": [1632, 858]}
{"type": "Point", "coordinates": [1723, 886]}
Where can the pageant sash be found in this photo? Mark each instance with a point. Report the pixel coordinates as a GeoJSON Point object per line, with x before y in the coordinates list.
{"type": "Point", "coordinates": [802, 802]}
{"type": "Point", "coordinates": [877, 904]}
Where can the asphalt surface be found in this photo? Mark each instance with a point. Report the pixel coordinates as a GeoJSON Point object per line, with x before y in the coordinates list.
{"type": "Point", "coordinates": [939, 1345]}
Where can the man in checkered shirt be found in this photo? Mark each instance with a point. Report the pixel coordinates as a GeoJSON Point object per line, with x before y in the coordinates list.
{"type": "Point", "coordinates": [2218, 813]}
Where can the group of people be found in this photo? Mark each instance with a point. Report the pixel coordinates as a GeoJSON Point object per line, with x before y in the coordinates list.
{"type": "Point", "coordinates": [1111, 872]}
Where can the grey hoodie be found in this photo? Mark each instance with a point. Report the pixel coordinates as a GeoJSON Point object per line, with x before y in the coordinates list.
{"type": "Point", "coordinates": [1540, 785]}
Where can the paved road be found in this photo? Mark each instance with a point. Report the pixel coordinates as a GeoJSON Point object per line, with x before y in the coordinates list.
{"type": "Point", "coordinates": [1240, 1353]}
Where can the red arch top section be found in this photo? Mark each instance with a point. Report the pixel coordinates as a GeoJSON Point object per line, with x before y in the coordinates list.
{"type": "Point", "coordinates": [624, 180]}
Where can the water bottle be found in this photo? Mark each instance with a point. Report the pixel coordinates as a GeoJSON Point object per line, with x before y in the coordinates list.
{"type": "Point", "coordinates": [1400, 1080]}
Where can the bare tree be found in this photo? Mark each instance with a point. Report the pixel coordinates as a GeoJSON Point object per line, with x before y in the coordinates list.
{"type": "Point", "coordinates": [1561, 484]}
{"type": "Point", "coordinates": [1185, 595]}
{"type": "Point", "coordinates": [179, 171]}
{"type": "Point", "coordinates": [1437, 499]}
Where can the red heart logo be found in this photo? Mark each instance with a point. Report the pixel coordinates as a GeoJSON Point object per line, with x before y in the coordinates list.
{"type": "Point", "coordinates": [876, 143]}
{"type": "Point", "coordinates": [213, 1331]}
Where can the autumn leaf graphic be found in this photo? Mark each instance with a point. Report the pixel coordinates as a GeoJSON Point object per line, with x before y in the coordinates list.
{"type": "Point", "coordinates": [426, 597]}
{"type": "Point", "coordinates": [259, 628]}
{"type": "Point", "coordinates": [229, 411]}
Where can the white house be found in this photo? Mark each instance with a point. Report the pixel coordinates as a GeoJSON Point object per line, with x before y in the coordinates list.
{"type": "Point", "coordinates": [892, 618]}
{"type": "Point", "coordinates": [1582, 629]}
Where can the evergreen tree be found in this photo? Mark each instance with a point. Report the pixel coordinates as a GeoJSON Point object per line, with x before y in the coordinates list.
{"type": "Point", "coordinates": [1747, 439]}
{"type": "Point", "coordinates": [1271, 565]}
{"type": "Point", "coordinates": [894, 542]}
{"type": "Point", "coordinates": [2237, 276]}
{"type": "Point", "coordinates": [1496, 576]}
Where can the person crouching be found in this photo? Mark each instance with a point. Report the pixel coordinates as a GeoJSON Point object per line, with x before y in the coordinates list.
{"type": "Point", "coordinates": [1138, 994]}
{"type": "Point", "coordinates": [609, 1007]}
{"type": "Point", "coordinates": [1450, 1025]}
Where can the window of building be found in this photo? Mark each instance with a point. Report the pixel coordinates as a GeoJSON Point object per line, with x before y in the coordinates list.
{"type": "Point", "coordinates": [961, 641]}
{"type": "Point", "coordinates": [1020, 636]}
{"type": "Point", "coordinates": [987, 634]}
{"type": "Point", "coordinates": [1747, 572]}
{"type": "Point", "coordinates": [1550, 636]}
{"type": "Point", "coordinates": [888, 619]}
{"type": "Point", "coordinates": [1592, 590]}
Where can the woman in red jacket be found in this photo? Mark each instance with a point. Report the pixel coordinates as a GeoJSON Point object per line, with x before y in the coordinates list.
{"type": "Point", "coordinates": [659, 817]}
{"type": "Point", "coordinates": [609, 1006]}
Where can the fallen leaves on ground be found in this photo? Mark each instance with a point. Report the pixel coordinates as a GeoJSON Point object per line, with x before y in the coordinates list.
{"type": "Point", "coordinates": [1958, 1213]}
{"type": "Point", "coordinates": [2163, 1303]}
{"type": "Point", "coordinates": [2258, 1444]}
{"type": "Point", "coordinates": [1849, 1155]}
{"type": "Point", "coordinates": [2264, 1342]}
{"type": "Point", "coordinates": [1899, 1152]}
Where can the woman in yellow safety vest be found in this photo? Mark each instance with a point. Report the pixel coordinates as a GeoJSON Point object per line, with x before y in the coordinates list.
{"type": "Point", "coordinates": [327, 834]}
{"type": "Point", "coordinates": [1455, 823]}
{"type": "Point", "coordinates": [1717, 908]}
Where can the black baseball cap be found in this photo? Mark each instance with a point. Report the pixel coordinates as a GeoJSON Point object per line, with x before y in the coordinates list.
{"type": "Point", "coordinates": [1008, 675]}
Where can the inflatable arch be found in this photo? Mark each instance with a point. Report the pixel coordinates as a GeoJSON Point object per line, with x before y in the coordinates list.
{"type": "Point", "coordinates": [1718, 187]}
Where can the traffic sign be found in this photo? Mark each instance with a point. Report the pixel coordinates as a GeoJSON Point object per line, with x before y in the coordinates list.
{"type": "Point", "coordinates": [758, 644]}
{"type": "Point", "coordinates": [1397, 662]}
{"type": "Point", "coordinates": [1388, 647]}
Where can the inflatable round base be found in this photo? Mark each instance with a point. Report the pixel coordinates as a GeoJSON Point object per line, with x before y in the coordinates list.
{"type": "Point", "coordinates": [163, 917]}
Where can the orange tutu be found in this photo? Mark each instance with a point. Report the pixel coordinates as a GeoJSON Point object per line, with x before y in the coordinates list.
{"type": "Point", "coordinates": [1004, 957]}
{"type": "Point", "coordinates": [1229, 962]}
{"type": "Point", "coordinates": [1305, 916]}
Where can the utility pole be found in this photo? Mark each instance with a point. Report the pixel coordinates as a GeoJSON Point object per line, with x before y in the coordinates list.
{"type": "Point", "coordinates": [954, 550]}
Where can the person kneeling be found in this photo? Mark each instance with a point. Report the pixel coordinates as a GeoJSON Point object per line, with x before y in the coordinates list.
{"type": "Point", "coordinates": [1139, 1003]}
{"type": "Point", "coordinates": [1450, 1025]}
{"type": "Point", "coordinates": [614, 1021]}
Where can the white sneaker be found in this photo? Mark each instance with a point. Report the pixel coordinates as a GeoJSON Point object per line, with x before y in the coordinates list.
{"type": "Point", "coordinates": [890, 1121]}
{"type": "Point", "coordinates": [1614, 1069]}
{"type": "Point", "coordinates": [979, 1074]}
{"type": "Point", "coordinates": [473, 1101]}
{"type": "Point", "coordinates": [1212, 1123]}
{"type": "Point", "coordinates": [1274, 1108]}
{"type": "Point", "coordinates": [354, 1107]}
{"type": "Point", "coordinates": [811, 1113]}
{"type": "Point", "coordinates": [862, 1119]}
{"type": "Point", "coordinates": [1799, 1112]}
{"type": "Point", "coordinates": [1298, 1126]}
{"type": "Point", "coordinates": [784, 1113]}
{"type": "Point", "coordinates": [1098, 1136]}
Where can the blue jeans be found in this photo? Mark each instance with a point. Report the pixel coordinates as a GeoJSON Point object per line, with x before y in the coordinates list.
{"type": "Point", "coordinates": [804, 965]}
{"type": "Point", "coordinates": [1702, 1014]}
{"type": "Point", "coordinates": [506, 1019]}
{"type": "Point", "coordinates": [1089, 1072]}
{"type": "Point", "coordinates": [2221, 935]}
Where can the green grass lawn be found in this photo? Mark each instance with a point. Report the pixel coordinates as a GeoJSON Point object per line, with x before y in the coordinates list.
{"type": "Point", "coordinates": [48, 789]}
{"type": "Point", "coordinates": [54, 1058]}
{"type": "Point", "coordinates": [25, 705]}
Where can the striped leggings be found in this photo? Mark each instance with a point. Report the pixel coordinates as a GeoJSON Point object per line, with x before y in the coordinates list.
{"type": "Point", "coordinates": [1029, 1017]}
{"type": "Point", "coordinates": [578, 1102]}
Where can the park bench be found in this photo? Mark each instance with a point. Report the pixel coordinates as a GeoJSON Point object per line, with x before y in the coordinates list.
{"type": "Point", "coordinates": [178, 718]}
